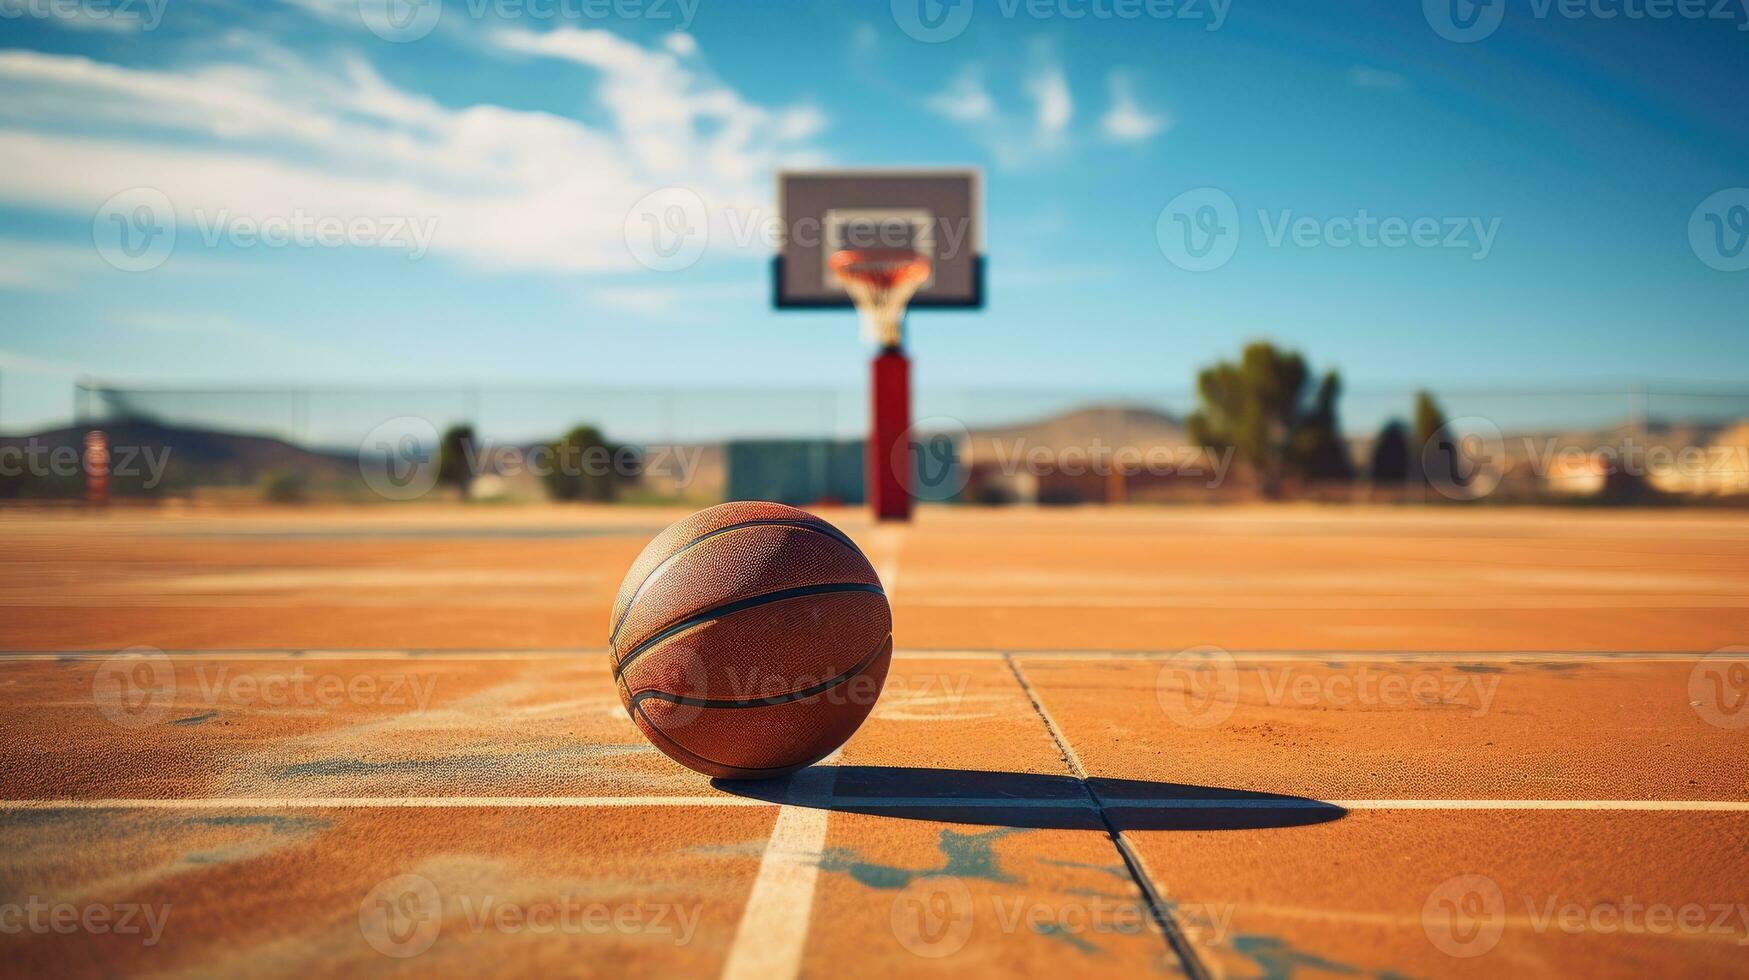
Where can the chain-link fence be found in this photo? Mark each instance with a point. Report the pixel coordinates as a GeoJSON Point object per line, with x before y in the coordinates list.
{"type": "Point", "coordinates": [993, 445]}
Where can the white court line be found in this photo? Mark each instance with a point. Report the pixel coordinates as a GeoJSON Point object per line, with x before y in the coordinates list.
{"type": "Point", "coordinates": [807, 802]}
{"type": "Point", "coordinates": [774, 926]}
{"type": "Point", "coordinates": [886, 543]}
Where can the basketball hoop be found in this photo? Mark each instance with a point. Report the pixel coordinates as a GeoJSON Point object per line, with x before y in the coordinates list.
{"type": "Point", "coordinates": [881, 281]}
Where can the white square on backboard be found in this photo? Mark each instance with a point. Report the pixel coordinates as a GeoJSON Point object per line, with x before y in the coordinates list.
{"type": "Point", "coordinates": [843, 228]}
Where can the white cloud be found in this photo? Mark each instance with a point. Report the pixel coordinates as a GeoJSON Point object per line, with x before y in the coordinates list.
{"type": "Point", "coordinates": [181, 323]}
{"type": "Point", "coordinates": [1361, 76]}
{"type": "Point", "coordinates": [1052, 105]}
{"type": "Point", "coordinates": [1126, 121]}
{"type": "Point", "coordinates": [1016, 134]}
{"type": "Point", "coordinates": [28, 364]}
{"type": "Point", "coordinates": [661, 107]}
{"type": "Point", "coordinates": [964, 99]}
{"type": "Point", "coordinates": [864, 40]}
{"type": "Point", "coordinates": [36, 267]}
{"type": "Point", "coordinates": [665, 301]}
{"type": "Point", "coordinates": [339, 11]}
{"type": "Point", "coordinates": [507, 188]}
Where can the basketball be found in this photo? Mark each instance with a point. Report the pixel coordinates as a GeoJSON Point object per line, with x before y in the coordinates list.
{"type": "Point", "coordinates": [750, 640]}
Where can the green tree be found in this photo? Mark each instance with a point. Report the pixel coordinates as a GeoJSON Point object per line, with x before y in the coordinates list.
{"type": "Point", "coordinates": [586, 467]}
{"type": "Point", "coordinates": [1258, 408]}
{"type": "Point", "coordinates": [455, 458]}
{"type": "Point", "coordinates": [285, 487]}
{"type": "Point", "coordinates": [1390, 454]}
{"type": "Point", "coordinates": [1429, 420]}
{"type": "Point", "coordinates": [1318, 451]}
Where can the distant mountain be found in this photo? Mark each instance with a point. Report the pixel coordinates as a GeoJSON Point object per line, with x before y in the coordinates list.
{"type": "Point", "coordinates": [1110, 426]}
{"type": "Point", "coordinates": [148, 458]}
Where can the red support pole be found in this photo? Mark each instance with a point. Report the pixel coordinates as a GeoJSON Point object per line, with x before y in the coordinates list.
{"type": "Point", "coordinates": [889, 461]}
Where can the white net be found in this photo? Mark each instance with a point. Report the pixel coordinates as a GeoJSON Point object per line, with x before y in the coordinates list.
{"type": "Point", "coordinates": [881, 282]}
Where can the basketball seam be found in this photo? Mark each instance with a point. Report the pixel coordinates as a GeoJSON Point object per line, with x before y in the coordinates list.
{"type": "Point", "coordinates": [768, 702]}
{"type": "Point", "coordinates": [820, 527]}
{"type": "Point", "coordinates": [742, 772]}
{"type": "Point", "coordinates": [728, 608]}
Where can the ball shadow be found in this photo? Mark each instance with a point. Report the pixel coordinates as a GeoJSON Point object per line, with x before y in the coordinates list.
{"type": "Point", "coordinates": [1032, 801]}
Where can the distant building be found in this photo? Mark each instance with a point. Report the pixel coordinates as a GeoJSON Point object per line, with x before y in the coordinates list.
{"type": "Point", "coordinates": [1577, 476]}
{"type": "Point", "coordinates": [795, 471]}
{"type": "Point", "coordinates": [1720, 469]}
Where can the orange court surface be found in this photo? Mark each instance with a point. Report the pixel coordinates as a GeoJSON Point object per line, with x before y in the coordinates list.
{"type": "Point", "coordinates": [1289, 741]}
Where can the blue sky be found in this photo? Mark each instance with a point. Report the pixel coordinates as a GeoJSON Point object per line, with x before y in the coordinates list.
{"type": "Point", "coordinates": [1564, 157]}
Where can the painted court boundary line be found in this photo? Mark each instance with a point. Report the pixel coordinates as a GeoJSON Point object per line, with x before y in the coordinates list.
{"type": "Point", "coordinates": [773, 931]}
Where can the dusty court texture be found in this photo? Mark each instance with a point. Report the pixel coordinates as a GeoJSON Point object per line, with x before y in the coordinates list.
{"type": "Point", "coordinates": [1236, 742]}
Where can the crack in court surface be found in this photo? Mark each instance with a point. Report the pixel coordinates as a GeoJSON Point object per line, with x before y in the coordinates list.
{"type": "Point", "coordinates": [1157, 906]}
{"type": "Point", "coordinates": [771, 936]}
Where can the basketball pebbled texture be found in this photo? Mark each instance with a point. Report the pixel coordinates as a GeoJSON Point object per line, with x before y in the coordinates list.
{"type": "Point", "coordinates": [750, 640]}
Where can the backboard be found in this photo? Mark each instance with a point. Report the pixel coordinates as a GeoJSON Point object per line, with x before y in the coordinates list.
{"type": "Point", "coordinates": [938, 213]}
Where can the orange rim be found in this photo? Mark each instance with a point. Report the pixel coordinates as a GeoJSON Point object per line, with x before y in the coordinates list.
{"type": "Point", "coordinates": [882, 268]}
